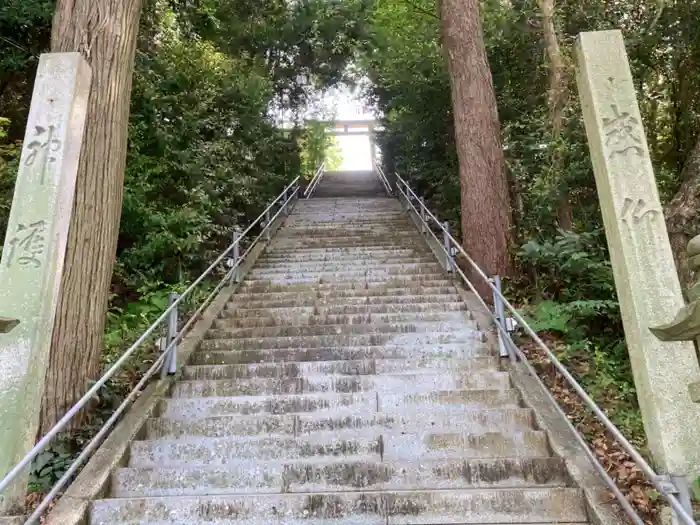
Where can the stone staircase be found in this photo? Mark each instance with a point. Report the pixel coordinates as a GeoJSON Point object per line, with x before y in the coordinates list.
{"type": "Point", "coordinates": [352, 184]}
{"type": "Point", "coordinates": [345, 383]}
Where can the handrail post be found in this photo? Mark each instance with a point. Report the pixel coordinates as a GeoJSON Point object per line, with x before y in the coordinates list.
{"type": "Point", "coordinates": [267, 225]}
{"type": "Point", "coordinates": [423, 217]}
{"type": "Point", "coordinates": [682, 490]}
{"type": "Point", "coordinates": [407, 196]}
{"type": "Point", "coordinates": [170, 361]}
{"type": "Point", "coordinates": [284, 202]}
{"type": "Point", "coordinates": [449, 262]}
{"type": "Point", "coordinates": [499, 314]}
{"type": "Point", "coordinates": [235, 274]}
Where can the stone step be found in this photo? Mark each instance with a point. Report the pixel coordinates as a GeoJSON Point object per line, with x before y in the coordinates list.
{"type": "Point", "coordinates": [316, 314]}
{"type": "Point", "coordinates": [415, 287]}
{"type": "Point", "coordinates": [456, 323]}
{"type": "Point", "coordinates": [203, 451]}
{"type": "Point", "coordinates": [358, 274]}
{"type": "Point", "coordinates": [426, 381]}
{"type": "Point", "coordinates": [386, 220]}
{"type": "Point", "coordinates": [411, 265]}
{"type": "Point", "coordinates": [482, 420]}
{"type": "Point", "coordinates": [370, 441]}
{"type": "Point", "coordinates": [386, 242]}
{"type": "Point", "coordinates": [232, 356]}
{"type": "Point", "coordinates": [477, 506]}
{"type": "Point", "coordinates": [297, 232]}
{"type": "Point", "coordinates": [353, 297]}
{"type": "Point", "coordinates": [249, 322]}
{"type": "Point", "coordinates": [324, 476]}
{"type": "Point", "coordinates": [291, 260]}
{"type": "Point", "coordinates": [356, 268]}
{"type": "Point", "coordinates": [355, 367]}
{"type": "Point", "coordinates": [317, 256]}
{"type": "Point", "coordinates": [369, 288]}
{"type": "Point", "coordinates": [353, 278]}
{"type": "Point", "coordinates": [385, 337]}
{"type": "Point", "coordinates": [363, 403]}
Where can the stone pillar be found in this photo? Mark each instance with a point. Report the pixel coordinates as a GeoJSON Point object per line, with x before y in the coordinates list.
{"type": "Point", "coordinates": [372, 145]}
{"type": "Point", "coordinates": [645, 276]}
{"type": "Point", "coordinates": [32, 258]}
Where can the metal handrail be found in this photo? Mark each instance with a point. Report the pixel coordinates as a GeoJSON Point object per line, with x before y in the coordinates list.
{"type": "Point", "coordinates": [315, 180]}
{"type": "Point", "coordinates": [382, 178]}
{"type": "Point", "coordinates": [665, 488]}
{"type": "Point", "coordinates": [266, 219]}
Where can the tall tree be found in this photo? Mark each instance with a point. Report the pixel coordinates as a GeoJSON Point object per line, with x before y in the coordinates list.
{"type": "Point", "coordinates": [105, 32]}
{"type": "Point", "coordinates": [556, 101]}
{"type": "Point", "coordinates": [485, 202]}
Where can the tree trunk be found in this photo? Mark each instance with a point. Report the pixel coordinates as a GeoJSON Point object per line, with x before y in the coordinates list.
{"type": "Point", "coordinates": [681, 214]}
{"type": "Point", "coordinates": [556, 96]}
{"type": "Point", "coordinates": [105, 32]}
{"type": "Point", "coordinates": [485, 201]}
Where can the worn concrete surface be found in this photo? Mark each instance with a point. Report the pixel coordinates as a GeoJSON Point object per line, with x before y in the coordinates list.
{"type": "Point", "coordinates": [344, 384]}
{"type": "Point", "coordinates": [94, 480]}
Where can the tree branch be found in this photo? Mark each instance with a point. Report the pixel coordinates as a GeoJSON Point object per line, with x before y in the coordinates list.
{"type": "Point", "coordinates": [421, 10]}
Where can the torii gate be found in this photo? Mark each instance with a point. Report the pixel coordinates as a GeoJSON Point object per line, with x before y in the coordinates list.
{"type": "Point", "coordinates": [356, 127]}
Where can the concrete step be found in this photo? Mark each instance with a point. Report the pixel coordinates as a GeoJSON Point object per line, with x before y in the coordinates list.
{"type": "Point", "coordinates": [317, 314]}
{"type": "Point", "coordinates": [417, 287]}
{"type": "Point", "coordinates": [324, 476]}
{"type": "Point", "coordinates": [456, 315]}
{"type": "Point", "coordinates": [385, 337]}
{"type": "Point", "coordinates": [373, 278]}
{"type": "Point", "coordinates": [456, 323]}
{"type": "Point", "coordinates": [389, 445]}
{"type": "Point", "coordinates": [347, 256]}
{"type": "Point", "coordinates": [232, 450]}
{"type": "Point", "coordinates": [332, 266]}
{"type": "Point", "coordinates": [329, 236]}
{"type": "Point", "coordinates": [272, 302]}
{"type": "Point", "coordinates": [232, 356]}
{"type": "Point", "coordinates": [358, 274]}
{"type": "Point", "coordinates": [488, 506]}
{"type": "Point", "coordinates": [357, 367]}
{"type": "Point", "coordinates": [481, 420]}
{"type": "Point", "coordinates": [362, 403]}
{"type": "Point", "coordinates": [292, 259]}
{"type": "Point", "coordinates": [384, 242]}
{"type": "Point", "coordinates": [425, 381]}
{"type": "Point", "coordinates": [343, 298]}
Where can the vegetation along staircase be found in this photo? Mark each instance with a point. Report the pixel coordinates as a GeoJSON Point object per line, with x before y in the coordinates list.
{"type": "Point", "coordinates": [344, 383]}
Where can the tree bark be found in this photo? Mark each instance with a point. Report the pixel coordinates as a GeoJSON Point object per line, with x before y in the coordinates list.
{"type": "Point", "coordinates": [105, 32]}
{"type": "Point", "coordinates": [556, 96]}
{"type": "Point", "coordinates": [681, 214]}
{"type": "Point", "coordinates": [485, 201]}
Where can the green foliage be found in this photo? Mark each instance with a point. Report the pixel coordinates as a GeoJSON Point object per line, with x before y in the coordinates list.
{"type": "Point", "coordinates": [571, 295]}
{"type": "Point", "coordinates": [204, 152]}
{"type": "Point", "coordinates": [317, 146]}
{"type": "Point", "coordinates": [50, 465]}
{"type": "Point", "coordinates": [24, 34]}
{"type": "Point", "coordinates": [9, 159]}
{"type": "Point", "coordinates": [570, 285]}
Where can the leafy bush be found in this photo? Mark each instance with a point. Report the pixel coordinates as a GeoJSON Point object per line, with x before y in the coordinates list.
{"type": "Point", "coordinates": [9, 160]}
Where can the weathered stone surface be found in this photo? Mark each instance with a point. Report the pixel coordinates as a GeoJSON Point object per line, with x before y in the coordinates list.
{"type": "Point", "coordinates": [32, 259]}
{"type": "Point", "coordinates": [647, 284]}
{"type": "Point", "coordinates": [329, 404]}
